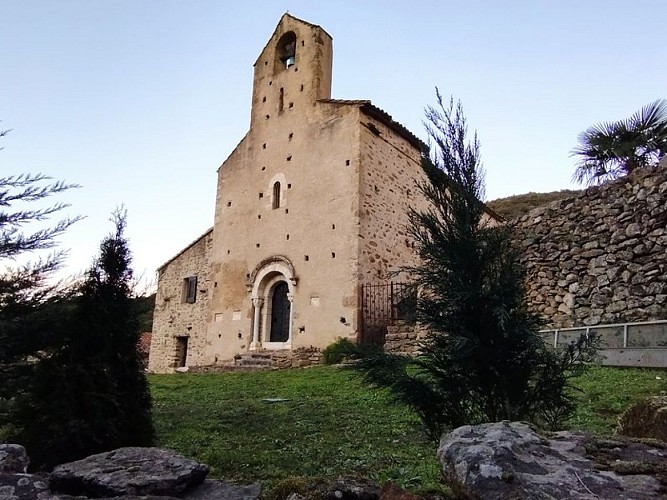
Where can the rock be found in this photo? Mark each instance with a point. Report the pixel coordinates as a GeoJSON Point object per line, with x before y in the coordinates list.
{"type": "Point", "coordinates": [645, 419]}
{"type": "Point", "coordinates": [13, 458]}
{"type": "Point", "coordinates": [510, 460]}
{"type": "Point", "coordinates": [212, 489]}
{"type": "Point", "coordinates": [346, 488]}
{"type": "Point", "coordinates": [129, 471]}
{"type": "Point", "coordinates": [23, 487]}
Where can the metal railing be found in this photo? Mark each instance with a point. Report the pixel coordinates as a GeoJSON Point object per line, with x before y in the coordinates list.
{"type": "Point", "coordinates": [641, 334]}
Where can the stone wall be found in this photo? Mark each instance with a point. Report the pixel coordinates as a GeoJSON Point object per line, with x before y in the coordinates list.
{"type": "Point", "coordinates": [390, 172]}
{"type": "Point", "coordinates": [403, 338]}
{"type": "Point", "coordinates": [173, 317]}
{"type": "Point", "coordinates": [600, 257]}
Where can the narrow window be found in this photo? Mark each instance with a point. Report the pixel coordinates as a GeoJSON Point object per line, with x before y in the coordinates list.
{"type": "Point", "coordinates": [281, 102]}
{"type": "Point", "coordinates": [190, 289]}
{"type": "Point", "coordinates": [276, 195]}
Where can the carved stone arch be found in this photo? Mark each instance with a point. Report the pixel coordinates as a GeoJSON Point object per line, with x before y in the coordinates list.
{"type": "Point", "coordinates": [276, 264]}
{"type": "Point", "coordinates": [269, 276]}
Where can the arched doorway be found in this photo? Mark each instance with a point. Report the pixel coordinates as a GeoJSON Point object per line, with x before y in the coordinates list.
{"type": "Point", "coordinates": [280, 313]}
{"type": "Point", "coordinates": [272, 284]}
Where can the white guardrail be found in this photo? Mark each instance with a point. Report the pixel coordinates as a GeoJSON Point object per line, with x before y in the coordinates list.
{"type": "Point", "coordinates": [643, 334]}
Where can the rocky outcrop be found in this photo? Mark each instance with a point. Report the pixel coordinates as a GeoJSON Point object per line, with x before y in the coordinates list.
{"type": "Point", "coordinates": [600, 257]}
{"type": "Point", "coordinates": [13, 458]}
{"type": "Point", "coordinates": [511, 460]}
{"type": "Point", "coordinates": [645, 419]}
{"type": "Point", "coordinates": [128, 471]}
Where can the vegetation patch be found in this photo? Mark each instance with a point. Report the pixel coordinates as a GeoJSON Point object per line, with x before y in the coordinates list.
{"type": "Point", "coordinates": [519, 205]}
{"type": "Point", "coordinates": [333, 425]}
{"type": "Point", "coordinates": [604, 393]}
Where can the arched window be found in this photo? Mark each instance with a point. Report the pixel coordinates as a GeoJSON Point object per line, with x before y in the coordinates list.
{"type": "Point", "coordinates": [276, 195]}
{"type": "Point", "coordinates": [285, 52]}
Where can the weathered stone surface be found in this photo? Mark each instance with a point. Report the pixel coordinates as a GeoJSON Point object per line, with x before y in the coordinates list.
{"type": "Point", "coordinates": [645, 419]}
{"type": "Point", "coordinates": [346, 488]}
{"type": "Point", "coordinates": [13, 458]}
{"type": "Point", "coordinates": [212, 489]}
{"type": "Point", "coordinates": [510, 460]}
{"type": "Point", "coordinates": [23, 487]}
{"type": "Point", "coordinates": [128, 471]}
{"type": "Point", "coordinates": [618, 239]}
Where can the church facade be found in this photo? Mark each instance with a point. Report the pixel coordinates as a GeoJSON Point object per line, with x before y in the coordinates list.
{"type": "Point", "coordinates": [311, 205]}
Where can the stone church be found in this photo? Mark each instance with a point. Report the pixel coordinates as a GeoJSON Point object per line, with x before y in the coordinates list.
{"type": "Point", "coordinates": [311, 205]}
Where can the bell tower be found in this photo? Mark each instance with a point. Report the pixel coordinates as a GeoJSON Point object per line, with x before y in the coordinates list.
{"type": "Point", "coordinates": [293, 70]}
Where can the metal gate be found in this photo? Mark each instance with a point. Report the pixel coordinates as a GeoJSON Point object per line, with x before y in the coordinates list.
{"type": "Point", "coordinates": [381, 305]}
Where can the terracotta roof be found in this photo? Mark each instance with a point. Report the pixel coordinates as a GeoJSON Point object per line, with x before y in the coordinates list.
{"type": "Point", "coordinates": [382, 116]}
{"type": "Point", "coordinates": [185, 249]}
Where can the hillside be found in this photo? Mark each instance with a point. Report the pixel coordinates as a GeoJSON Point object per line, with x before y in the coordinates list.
{"type": "Point", "coordinates": [520, 204]}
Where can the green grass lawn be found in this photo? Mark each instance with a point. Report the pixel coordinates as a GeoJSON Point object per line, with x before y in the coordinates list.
{"type": "Point", "coordinates": [331, 424]}
{"type": "Point", "coordinates": [604, 393]}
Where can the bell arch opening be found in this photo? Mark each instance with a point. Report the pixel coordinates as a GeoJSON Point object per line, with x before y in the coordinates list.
{"type": "Point", "coordinates": [285, 52]}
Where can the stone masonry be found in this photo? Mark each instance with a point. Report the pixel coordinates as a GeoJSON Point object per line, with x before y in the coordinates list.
{"type": "Point", "coordinates": [174, 317]}
{"type": "Point", "coordinates": [600, 257]}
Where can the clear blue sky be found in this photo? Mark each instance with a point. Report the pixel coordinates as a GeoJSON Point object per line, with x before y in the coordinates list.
{"type": "Point", "coordinates": [140, 101]}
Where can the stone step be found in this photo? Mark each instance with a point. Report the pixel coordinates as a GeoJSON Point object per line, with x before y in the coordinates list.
{"type": "Point", "coordinates": [253, 362]}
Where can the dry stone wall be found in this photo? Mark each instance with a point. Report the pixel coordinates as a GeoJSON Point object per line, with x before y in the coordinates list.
{"type": "Point", "coordinates": [600, 257]}
{"type": "Point", "coordinates": [403, 338]}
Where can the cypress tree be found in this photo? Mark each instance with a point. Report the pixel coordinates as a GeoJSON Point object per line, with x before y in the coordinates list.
{"type": "Point", "coordinates": [482, 359]}
{"type": "Point", "coordinates": [90, 393]}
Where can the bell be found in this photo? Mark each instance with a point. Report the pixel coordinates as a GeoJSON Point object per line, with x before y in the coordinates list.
{"type": "Point", "coordinates": [289, 61]}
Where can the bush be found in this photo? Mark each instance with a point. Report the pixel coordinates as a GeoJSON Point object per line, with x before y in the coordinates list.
{"type": "Point", "coordinates": [339, 351]}
{"type": "Point", "coordinates": [344, 349]}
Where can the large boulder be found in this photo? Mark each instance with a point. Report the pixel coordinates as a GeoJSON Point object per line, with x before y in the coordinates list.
{"type": "Point", "coordinates": [128, 471]}
{"type": "Point", "coordinates": [645, 419]}
{"type": "Point", "coordinates": [511, 460]}
{"type": "Point", "coordinates": [13, 458]}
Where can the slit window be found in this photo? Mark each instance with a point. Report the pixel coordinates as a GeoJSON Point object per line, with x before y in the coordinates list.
{"type": "Point", "coordinates": [276, 195]}
{"type": "Point", "coordinates": [190, 289]}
